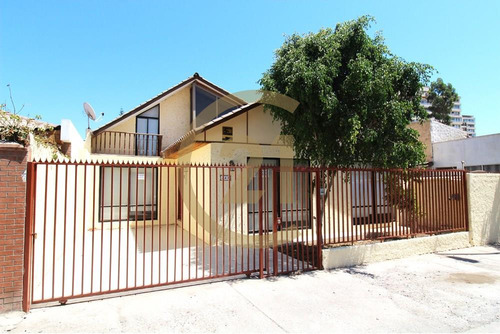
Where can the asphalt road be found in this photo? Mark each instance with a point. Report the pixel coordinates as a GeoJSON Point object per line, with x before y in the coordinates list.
{"type": "Point", "coordinates": [456, 291]}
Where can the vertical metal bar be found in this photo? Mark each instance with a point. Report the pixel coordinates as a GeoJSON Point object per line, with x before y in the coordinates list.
{"type": "Point", "coordinates": [229, 218]}
{"type": "Point", "coordinates": [103, 174]}
{"type": "Point", "coordinates": [261, 226]}
{"type": "Point", "coordinates": [28, 235]}
{"type": "Point", "coordinates": [144, 190]}
{"type": "Point", "coordinates": [74, 231]}
{"type": "Point", "coordinates": [216, 181]}
{"type": "Point", "coordinates": [84, 222]}
{"type": "Point", "coordinates": [64, 229]}
{"type": "Point", "coordinates": [167, 222]}
{"type": "Point", "coordinates": [210, 219]}
{"type": "Point", "coordinates": [189, 189]}
{"type": "Point", "coordinates": [44, 228]}
{"type": "Point", "coordinates": [93, 231]}
{"type": "Point", "coordinates": [303, 245]}
{"type": "Point", "coordinates": [176, 215]}
{"type": "Point", "coordinates": [241, 215]}
{"type": "Point", "coordinates": [181, 206]}
{"type": "Point", "coordinates": [129, 193]}
{"type": "Point", "coordinates": [159, 176]}
{"type": "Point", "coordinates": [154, 210]}
{"type": "Point", "coordinates": [223, 225]}
{"type": "Point", "coordinates": [319, 240]}
{"type": "Point", "coordinates": [204, 223]}
{"type": "Point", "coordinates": [254, 190]}
{"type": "Point", "coordinates": [120, 225]}
{"type": "Point", "coordinates": [235, 221]}
{"type": "Point", "coordinates": [196, 222]}
{"type": "Point", "coordinates": [136, 221]}
{"type": "Point", "coordinates": [309, 218]}
{"type": "Point", "coordinates": [55, 228]}
{"type": "Point", "coordinates": [275, 222]}
{"type": "Point", "coordinates": [112, 190]}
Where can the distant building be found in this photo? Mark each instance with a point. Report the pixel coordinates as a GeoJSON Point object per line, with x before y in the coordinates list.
{"type": "Point", "coordinates": [431, 132]}
{"type": "Point", "coordinates": [475, 154]}
{"type": "Point", "coordinates": [469, 125]}
{"type": "Point", "coordinates": [466, 123]}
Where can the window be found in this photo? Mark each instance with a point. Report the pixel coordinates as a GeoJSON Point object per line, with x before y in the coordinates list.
{"type": "Point", "coordinates": [147, 128]}
{"type": "Point", "coordinates": [128, 193]}
{"type": "Point", "coordinates": [208, 106]}
{"type": "Point", "coordinates": [227, 133]}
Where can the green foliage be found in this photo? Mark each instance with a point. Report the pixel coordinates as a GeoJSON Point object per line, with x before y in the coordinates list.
{"type": "Point", "coordinates": [441, 96]}
{"type": "Point", "coordinates": [356, 98]}
{"type": "Point", "coordinates": [17, 129]}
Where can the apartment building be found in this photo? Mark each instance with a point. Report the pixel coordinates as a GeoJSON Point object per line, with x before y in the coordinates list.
{"type": "Point", "coordinates": [466, 123]}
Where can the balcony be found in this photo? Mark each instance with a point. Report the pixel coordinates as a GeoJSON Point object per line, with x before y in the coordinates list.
{"type": "Point", "coordinates": [127, 143]}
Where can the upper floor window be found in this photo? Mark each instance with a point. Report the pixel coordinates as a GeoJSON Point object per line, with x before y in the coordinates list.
{"type": "Point", "coordinates": [208, 106]}
{"type": "Point", "coordinates": [147, 128]}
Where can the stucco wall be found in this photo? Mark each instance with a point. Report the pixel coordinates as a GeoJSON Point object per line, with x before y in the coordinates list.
{"type": "Point", "coordinates": [424, 131]}
{"type": "Point", "coordinates": [484, 208]}
{"type": "Point", "coordinates": [482, 150]}
{"type": "Point", "coordinates": [348, 256]}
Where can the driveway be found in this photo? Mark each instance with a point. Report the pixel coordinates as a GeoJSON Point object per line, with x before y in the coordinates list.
{"type": "Point", "coordinates": [454, 291]}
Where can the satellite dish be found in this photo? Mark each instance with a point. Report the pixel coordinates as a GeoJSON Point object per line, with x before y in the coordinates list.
{"type": "Point", "coordinates": [89, 111]}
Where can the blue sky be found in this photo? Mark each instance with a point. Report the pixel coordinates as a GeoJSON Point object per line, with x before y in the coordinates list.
{"type": "Point", "coordinates": [117, 54]}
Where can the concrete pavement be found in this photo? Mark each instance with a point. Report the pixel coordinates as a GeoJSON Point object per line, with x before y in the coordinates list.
{"type": "Point", "coordinates": [455, 291]}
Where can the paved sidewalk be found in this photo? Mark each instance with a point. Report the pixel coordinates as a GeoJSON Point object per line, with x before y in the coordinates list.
{"type": "Point", "coordinates": [448, 292]}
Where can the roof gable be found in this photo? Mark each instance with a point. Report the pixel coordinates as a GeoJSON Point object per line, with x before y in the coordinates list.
{"type": "Point", "coordinates": [160, 97]}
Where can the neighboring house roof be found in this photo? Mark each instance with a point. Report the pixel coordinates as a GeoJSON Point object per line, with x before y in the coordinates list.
{"type": "Point", "coordinates": [441, 132]}
{"type": "Point", "coordinates": [34, 123]}
{"type": "Point", "coordinates": [150, 103]}
{"type": "Point", "coordinates": [187, 142]}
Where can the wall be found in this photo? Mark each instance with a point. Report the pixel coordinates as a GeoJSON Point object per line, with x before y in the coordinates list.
{"type": "Point", "coordinates": [432, 131]}
{"type": "Point", "coordinates": [13, 159]}
{"type": "Point", "coordinates": [424, 131]}
{"type": "Point", "coordinates": [482, 150]}
{"type": "Point", "coordinates": [69, 134]}
{"type": "Point", "coordinates": [348, 256]}
{"type": "Point", "coordinates": [174, 118]}
{"type": "Point", "coordinates": [484, 208]}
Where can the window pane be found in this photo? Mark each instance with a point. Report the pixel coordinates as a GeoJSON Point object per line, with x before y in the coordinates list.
{"type": "Point", "coordinates": [205, 106]}
{"type": "Point", "coordinates": [142, 125]}
{"type": "Point", "coordinates": [153, 112]}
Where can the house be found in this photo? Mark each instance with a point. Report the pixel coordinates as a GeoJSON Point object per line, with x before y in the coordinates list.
{"type": "Point", "coordinates": [175, 191]}
{"type": "Point", "coordinates": [431, 132]}
{"type": "Point", "coordinates": [193, 122]}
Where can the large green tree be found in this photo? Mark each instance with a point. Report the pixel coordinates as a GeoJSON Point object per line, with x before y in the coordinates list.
{"type": "Point", "coordinates": [356, 98]}
{"type": "Point", "coordinates": [441, 96]}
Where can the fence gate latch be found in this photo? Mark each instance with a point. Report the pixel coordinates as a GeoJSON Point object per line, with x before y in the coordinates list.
{"type": "Point", "coordinates": [34, 235]}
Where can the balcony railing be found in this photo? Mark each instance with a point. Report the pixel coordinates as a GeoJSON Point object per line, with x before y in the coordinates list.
{"type": "Point", "coordinates": [126, 143]}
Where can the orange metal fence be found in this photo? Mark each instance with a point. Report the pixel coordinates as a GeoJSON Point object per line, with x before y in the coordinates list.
{"type": "Point", "coordinates": [97, 228]}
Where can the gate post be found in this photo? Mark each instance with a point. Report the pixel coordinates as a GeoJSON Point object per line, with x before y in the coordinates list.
{"type": "Point", "coordinates": [28, 235]}
{"type": "Point", "coordinates": [319, 239]}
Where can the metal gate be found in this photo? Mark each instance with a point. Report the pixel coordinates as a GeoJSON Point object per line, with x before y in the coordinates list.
{"type": "Point", "coordinates": [98, 228]}
{"type": "Point", "coordinates": [94, 228]}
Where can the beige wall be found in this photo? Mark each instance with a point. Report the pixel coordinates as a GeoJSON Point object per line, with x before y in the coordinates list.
{"type": "Point", "coordinates": [424, 131]}
{"type": "Point", "coordinates": [252, 127]}
{"type": "Point", "coordinates": [174, 118]}
{"type": "Point", "coordinates": [484, 208]}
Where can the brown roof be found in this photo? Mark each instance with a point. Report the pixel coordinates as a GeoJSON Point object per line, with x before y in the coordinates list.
{"type": "Point", "coordinates": [188, 139]}
{"type": "Point", "coordinates": [195, 77]}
